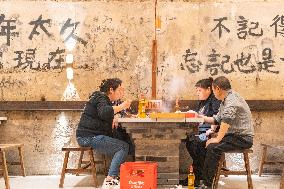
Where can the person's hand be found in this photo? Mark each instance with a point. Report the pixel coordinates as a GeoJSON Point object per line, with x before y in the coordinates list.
{"type": "Point", "coordinates": [134, 116]}
{"type": "Point", "coordinates": [209, 132]}
{"type": "Point", "coordinates": [201, 116]}
{"type": "Point", "coordinates": [126, 104]}
{"type": "Point", "coordinates": [115, 121]}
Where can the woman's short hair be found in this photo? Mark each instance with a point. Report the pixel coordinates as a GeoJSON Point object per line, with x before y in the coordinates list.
{"type": "Point", "coordinates": [222, 82]}
{"type": "Point", "coordinates": [204, 83]}
{"type": "Point", "coordinates": [110, 83]}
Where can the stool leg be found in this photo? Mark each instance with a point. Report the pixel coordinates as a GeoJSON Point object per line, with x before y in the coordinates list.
{"type": "Point", "coordinates": [104, 164]}
{"type": "Point", "coordinates": [22, 161]}
{"type": "Point", "coordinates": [218, 173]}
{"type": "Point", "coordinates": [80, 161]}
{"type": "Point", "coordinates": [93, 167]}
{"type": "Point", "coordinates": [5, 171]}
{"type": "Point", "coordinates": [225, 166]}
{"type": "Point", "coordinates": [282, 180]}
{"type": "Point", "coordinates": [246, 158]}
{"type": "Point", "coordinates": [263, 159]}
{"type": "Point", "coordinates": [64, 169]}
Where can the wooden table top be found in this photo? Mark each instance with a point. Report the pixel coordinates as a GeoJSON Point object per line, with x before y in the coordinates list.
{"type": "Point", "coordinates": [155, 120]}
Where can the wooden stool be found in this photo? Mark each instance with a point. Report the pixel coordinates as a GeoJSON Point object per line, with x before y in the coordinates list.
{"type": "Point", "coordinates": [264, 158]}
{"type": "Point", "coordinates": [247, 172]}
{"type": "Point", "coordinates": [81, 168]}
{"type": "Point", "coordinates": [85, 164]}
{"type": "Point", "coordinates": [6, 147]}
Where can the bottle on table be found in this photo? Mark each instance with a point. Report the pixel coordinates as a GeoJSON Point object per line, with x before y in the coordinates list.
{"type": "Point", "coordinates": [191, 178]}
{"type": "Point", "coordinates": [177, 108]}
{"type": "Point", "coordinates": [142, 107]}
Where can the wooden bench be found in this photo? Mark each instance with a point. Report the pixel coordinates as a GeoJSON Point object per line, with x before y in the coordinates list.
{"type": "Point", "coordinates": [3, 149]}
{"type": "Point", "coordinates": [264, 157]}
{"type": "Point", "coordinates": [83, 165]}
{"type": "Point", "coordinates": [225, 172]}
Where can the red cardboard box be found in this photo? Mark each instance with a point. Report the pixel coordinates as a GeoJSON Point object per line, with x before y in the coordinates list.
{"type": "Point", "coordinates": [138, 175]}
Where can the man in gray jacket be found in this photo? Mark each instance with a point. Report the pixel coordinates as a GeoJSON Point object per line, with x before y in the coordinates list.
{"type": "Point", "coordinates": [236, 130]}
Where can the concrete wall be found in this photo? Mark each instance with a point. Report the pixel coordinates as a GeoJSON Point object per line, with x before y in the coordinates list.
{"type": "Point", "coordinates": [113, 39]}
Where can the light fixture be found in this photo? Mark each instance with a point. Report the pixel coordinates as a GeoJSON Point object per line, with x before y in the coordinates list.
{"type": "Point", "coordinates": [69, 58]}
{"type": "Point", "coordinates": [69, 72]}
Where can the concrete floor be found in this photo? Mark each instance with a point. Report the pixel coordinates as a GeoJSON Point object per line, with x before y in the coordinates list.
{"type": "Point", "coordinates": [85, 182]}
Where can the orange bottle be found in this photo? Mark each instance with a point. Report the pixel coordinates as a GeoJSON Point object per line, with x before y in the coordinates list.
{"type": "Point", "coordinates": [191, 178]}
{"type": "Point", "coordinates": [142, 107]}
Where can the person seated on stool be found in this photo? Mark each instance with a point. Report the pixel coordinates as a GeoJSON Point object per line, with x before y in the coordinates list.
{"type": "Point", "coordinates": [95, 126]}
{"type": "Point", "coordinates": [236, 131]}
{"type": "Point", "coordinates": [195, 145]}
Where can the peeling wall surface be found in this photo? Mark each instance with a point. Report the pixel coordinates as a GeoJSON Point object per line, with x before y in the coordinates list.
{"type": "Point", "coordinates": [197, 39]}
{"type": "Point", "coordinates": [114, 38]}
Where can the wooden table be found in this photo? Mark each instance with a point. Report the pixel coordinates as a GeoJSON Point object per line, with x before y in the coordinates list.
{"type": "Point", "coordinates": [158, 140]}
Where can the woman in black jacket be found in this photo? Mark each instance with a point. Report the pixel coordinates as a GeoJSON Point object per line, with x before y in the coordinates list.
{"type": "Point", "coordinates": [195, 144]}
{"type": "Point", "coordinates": [95, 126]}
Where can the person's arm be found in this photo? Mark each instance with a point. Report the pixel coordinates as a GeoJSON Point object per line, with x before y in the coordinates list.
{"type": "Point", "coordinates": [207, 119]}
{"type": "Point", "coordinates": [227, 119]}
{"type": "Point", "coordinates": [126, 104]}
{"type": "Point", "coordinates": [215, 120]}
{"type": "Point", "coordinates": [211, 130]}
{"type": "Point", "coordinates": [220, 135]}
{"type": "Point", "coordinates": [214, 127]}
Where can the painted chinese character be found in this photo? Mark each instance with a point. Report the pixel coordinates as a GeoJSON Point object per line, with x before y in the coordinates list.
{"type": "Point", "coordinates": [267, 61]}
{"type": "Point", "coordinates": [220, 26]}
{"type": "Point", "coordinates": [244, 65]}
{"type": "Point", "coordinates": [54, 56]}
{"type": "Point", "coordinates": [27, 61]}
{"type": "Point", "coordinates": [72, 35]}
{"type": "Point", "coordinates": [39, 23]}
{"type": "Point", "coordinates": [214, 63]}
{"type": "Point", "coordinates": [6, 29]}
{"type": "Point", "coordinates": [243, 27]}
{"type": "Point", "coordinates": [278, 25]}
{"type": "Point", "coordinates": [191, 63]}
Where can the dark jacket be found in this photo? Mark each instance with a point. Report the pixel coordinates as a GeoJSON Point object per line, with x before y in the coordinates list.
{"type": "Point", "coordinates": [208, 107]}
{"type": "Point", "coordinates": [97, 116]}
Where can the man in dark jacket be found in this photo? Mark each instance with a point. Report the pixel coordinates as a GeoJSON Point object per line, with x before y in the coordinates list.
{"type": "Point", "coordinates": [95, 126]}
